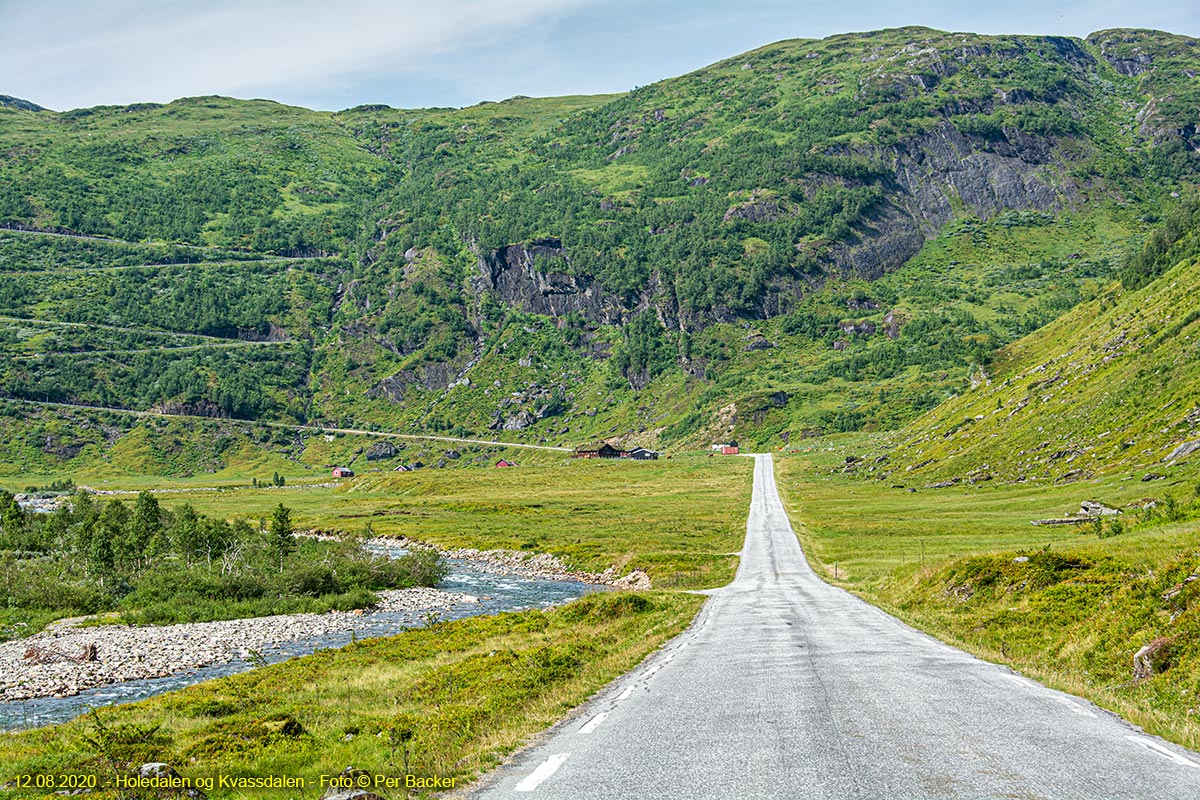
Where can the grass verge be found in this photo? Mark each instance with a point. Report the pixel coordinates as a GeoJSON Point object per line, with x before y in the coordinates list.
{"type": "Point", "coordinates": [442, 702]}
{"type": "Point", "coordinates": [1056, 603]}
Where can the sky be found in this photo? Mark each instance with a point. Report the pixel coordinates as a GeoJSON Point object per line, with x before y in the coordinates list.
{"type": "Point", "coordinates": [334, 54]}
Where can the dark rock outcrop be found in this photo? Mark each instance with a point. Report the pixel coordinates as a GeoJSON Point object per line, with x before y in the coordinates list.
{"type": "Point", "coordinates": [61, 449]}
{"type": "Point", "coordinates": [8, 101]}
{"type": "Point", "coordinates": [430, 377]}
{"type": "Point", "coordinates": [756, 209]}
{"type": "Point", "coordinates": [939, 169]}
{"type": "Point", "coordinates": [517, 273]}
{"type": "Point", "coordinates": [861, 328]}
{"type": "Point", "coordinates": [200, 408]}
{"type": "Point", "coordinates": [380, 451]}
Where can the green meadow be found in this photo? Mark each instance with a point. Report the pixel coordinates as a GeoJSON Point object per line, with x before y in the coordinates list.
{"type": "Point", "coordinates": [679, 519]}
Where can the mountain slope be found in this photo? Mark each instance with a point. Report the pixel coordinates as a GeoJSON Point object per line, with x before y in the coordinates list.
{"type": "Point", "coordinates": [813, 236]}
{"type": "Point", "coordinates": [1110, 387]}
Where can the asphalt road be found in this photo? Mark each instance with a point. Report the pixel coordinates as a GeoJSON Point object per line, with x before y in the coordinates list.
{"type": "Point", "coordinates": [785, 687]}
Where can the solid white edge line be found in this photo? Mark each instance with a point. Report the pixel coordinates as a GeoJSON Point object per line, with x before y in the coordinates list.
{"type": "Point", "coordinates": [1162, 751]}
{"type": "Point", "coordinates": [1071, 704]}
{"type": "Point", "coordinates": [544, 771]}
{"type": "Point", "coordinates": [625, 695]}
{"type": "Point", "coordinates": [594, 722]}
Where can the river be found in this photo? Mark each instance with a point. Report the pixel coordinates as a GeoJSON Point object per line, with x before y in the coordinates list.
{"type": "Point", "coordinates": [496, 593]}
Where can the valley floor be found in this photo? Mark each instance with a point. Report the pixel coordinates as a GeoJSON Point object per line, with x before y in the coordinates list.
{"type": "Point", "coordinates": [962, 563]}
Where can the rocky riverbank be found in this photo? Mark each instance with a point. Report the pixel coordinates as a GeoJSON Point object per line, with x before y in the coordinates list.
{"type": "Point", "coordinates": [65, 659]}
{"type": "Point", "coordinates": [530, 565]}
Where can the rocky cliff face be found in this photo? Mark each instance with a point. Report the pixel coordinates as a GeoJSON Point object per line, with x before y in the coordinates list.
{"type": "Point", "coordinates": [7, 101]}
{"type": "Point", "coordinates": [940, 171]}
{"type": "Point", "coordinates": [514, 272]}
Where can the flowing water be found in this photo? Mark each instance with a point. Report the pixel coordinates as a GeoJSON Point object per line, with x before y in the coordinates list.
{"type": "Point", "coordinates": [496, 593]}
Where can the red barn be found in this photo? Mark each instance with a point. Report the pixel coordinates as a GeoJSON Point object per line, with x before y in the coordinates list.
{"type": "Point", "coordinates": [343, 472]}
{"type": "Point", "coordinates": [503, 463]}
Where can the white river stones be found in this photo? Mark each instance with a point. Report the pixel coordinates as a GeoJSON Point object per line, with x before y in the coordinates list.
{"type": "Point", "coordinates": [49, 664]}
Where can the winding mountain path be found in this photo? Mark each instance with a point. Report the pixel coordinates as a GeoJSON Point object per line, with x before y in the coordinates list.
{"type": "Point", "coordinates": [308, 428]}
{"type": "Point", "coordinates": [786, 687]}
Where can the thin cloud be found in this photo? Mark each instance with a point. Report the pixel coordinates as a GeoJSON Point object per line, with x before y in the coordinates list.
{"type": "Point", "coordinates": [336, 53]}
{"type": "Point", "coordinates": [70, 53]}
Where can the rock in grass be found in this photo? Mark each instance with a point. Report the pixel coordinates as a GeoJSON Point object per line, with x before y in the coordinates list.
{"type": "Point", "coordinates": [343, 787]}
{"type": "Point", "coordinates": [1151, 659]}
{"type": "Point", "coordinates": [1094, 508]}
{"type": "Point", "coordinates": [284, 727]}
{"type": "Point", "coordinates": [1185, 449]}
{"type": "Point", "coordinates": [157, 769]}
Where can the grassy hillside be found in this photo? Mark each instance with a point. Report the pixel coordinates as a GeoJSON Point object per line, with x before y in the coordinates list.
{"type": "Point", "coordinates": [813, 237]}
{"type": "Point", "coordinates": [1108, 388]}
{"type": "Point", "coordinates": [933, 522]}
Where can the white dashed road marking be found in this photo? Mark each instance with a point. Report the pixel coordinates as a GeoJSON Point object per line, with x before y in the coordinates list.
{"type": "Point", "coordinates": [544, 771]}
{"type": "Point", "coordinates": [594, 722]}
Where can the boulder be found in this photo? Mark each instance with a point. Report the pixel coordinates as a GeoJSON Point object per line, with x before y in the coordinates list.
{"type": "Point", "coordinates": [1185, 449]}
{"type": "Point", "coordinates": [284, 727]}
{"type": "Point", "coordinates": [1151, 659]}
{"type": "Point", "coordinates": [1094, 508]}
{"type": "Point", "coordinates": [381, 450]}
{"type": "Point", "coordinates": [343, 787]}
{"type": "Point", "coordinates": [157, 769]}
{"type": "Point", "coordinates": [755, 210]}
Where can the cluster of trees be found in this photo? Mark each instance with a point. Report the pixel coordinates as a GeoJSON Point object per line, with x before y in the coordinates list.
{"type": "Point", "coordinates": [1176, 238]}
{"type": "Point", "coordinates": [125, 363]}
{"type": "Point", "coordinates": [946, 340]}
{"type": "Point", "coordinates": [226, 300]}
{"type": "Point", "coordinates": [160, 565]}
{"type": "Point", "coordinates": [24, 252]}
{"type": "Point", "coordinates": [644, 352]}
{"type": "Point", "coordinates": [243, 382]}
{"type": "Point", "coordinates": [276, 480]}
{"type": "Point", "coordinates": [112, 541]}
